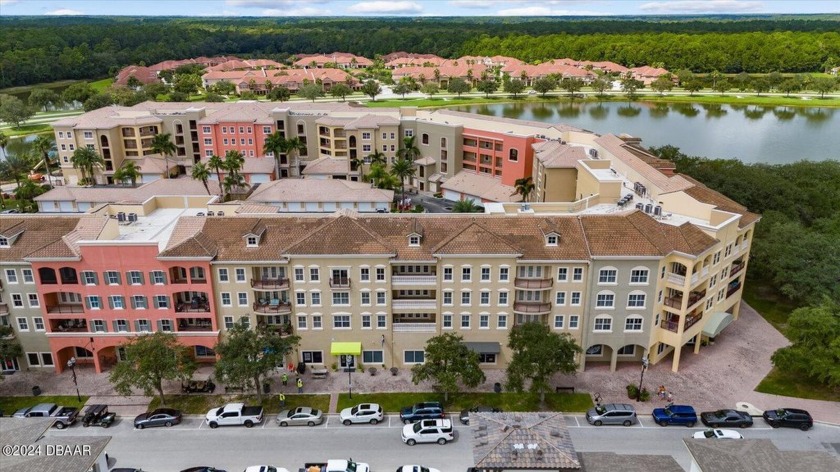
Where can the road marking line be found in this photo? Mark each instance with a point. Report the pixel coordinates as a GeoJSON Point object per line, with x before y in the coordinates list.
{"type": "Point", "coordinates": [576, 421]}
{"type": "Point", "coordinates": [640, 423]}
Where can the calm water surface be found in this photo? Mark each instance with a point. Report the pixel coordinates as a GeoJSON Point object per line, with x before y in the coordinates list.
{"type": "Point", "coordinates": [751, 133]}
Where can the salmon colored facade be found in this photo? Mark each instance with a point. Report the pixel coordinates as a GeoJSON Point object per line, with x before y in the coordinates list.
{"type": "Point", "coordinates": [115, 292]}
{"type": "Point", "coordinates": [245, 137]}
{"type": "Point", "coordinates": [505, 156]}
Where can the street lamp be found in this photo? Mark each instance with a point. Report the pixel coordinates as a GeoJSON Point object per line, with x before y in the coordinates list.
{"type": "Point", "coordinates": [72, 365]}
{"type": "Point", "coordinates": [351, 366]}
{"type": "Point", "coordinates": [645, 363]}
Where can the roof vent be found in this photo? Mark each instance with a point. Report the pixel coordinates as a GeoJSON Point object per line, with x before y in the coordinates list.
{"type": "Point", "coordinates": [132, 217]}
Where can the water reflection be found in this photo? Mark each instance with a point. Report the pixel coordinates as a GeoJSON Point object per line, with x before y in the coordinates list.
{"type": "Point", "coordinates": [814, 116]}
{"type": "Point", "coordinates": [569, 110]}
{"type": "Point", "coordinates": [686, 109]}
{"type": "Point", "coordinates": [628, 111]}
{"type": "Point", "coordinates": [784, 114]}
{"type": "Point", "coordinates": [659, 111]}
{"type": "Point", "coordinates": [599, 111]}
{"type": "Point", "coordinates": [542, 112]}
{"type": "Point", "coordinates": [513, 110]}
{"type": "Point", "coordinates": [755, 113]}
{"type": "Point", "coordinates": [714, 110]}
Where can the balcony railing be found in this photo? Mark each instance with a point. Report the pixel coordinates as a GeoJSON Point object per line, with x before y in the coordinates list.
{"type": "Point", "coordinates": [192, 307]}
{"type": "Point", "coordinates": [673, 324]}
{"type": "Point", "coordinates": [199, 326]}
{"type": "Point", "coordinates": [273, 307]}
{"type": "Point", "coordinates": [414, 304]}
{"type": "Point", "coordinates": [531, 307]}
{"type": "Point", "coordinates": [340, 282]}
{"type": "Point", "coordinates": [65, 309]}
{"type": "Point", "coordinates": [737, 268]}
{"type": "Point", "coordinates": [414, 327]}
{"type": "Point", "coordinates": [414, 280]}
{"type": "Point", "coordinates": [280, 283]}
{"type": "Point", "coordinates": [180, 280]}
{"type": "Point", "coordinates": [281, 330]}
{"type": "Point", "coordinates": [532, 283]}
{"type": "Point", "coordinates": [69, 326]}
{"type": "Point", "coordinates": [733, 288]}
{"type": "Point", "coordinates": [4, 309]}
{"type": "Point", "coordinates": [692, 320]}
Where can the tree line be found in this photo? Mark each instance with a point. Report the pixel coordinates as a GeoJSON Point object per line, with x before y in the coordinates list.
{"type": "Point", "coordinates": [38, 50]}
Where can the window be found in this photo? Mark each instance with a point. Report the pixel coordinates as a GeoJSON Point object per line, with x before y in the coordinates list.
{"type": "Point", "coordinates": [485, 274]}
{"type": "Point", "coordinates": [447, 298]}
{"type": "Point", "coordinates": [39, 323]}
{"type": "Point", "coordinates": [143, 326]}
{"type": "Point", "coordinates": [120, 325]}
{"type": "Point", "coordinates": [628, 350]}
{"type": "Point", "coordinates": [636, 300]}
{"type": "Point", "coordinates": [466, 298]}
{"type": "Point", "coordinates": [408, 133]}
{"type": "Point", "coordinates": [11, 276]}
{"type": "Point", "coordinates": [558, 321]}
{"type": "Point", "coordinates": [486, 358]}
{"type": "Point", "coordinates": [607, 276]}
{"type": "Point", "coordinates": [341, 298]}
{"type": "Point", "coordinates": [633, 323]}
{"type": "Point", "coordinates": [224, 129]}
{"type": "Point", "coordinates": [502, 322]}
{"type": "Point", "coordinates": [660, 349]}
{"type": "Point", "coordinates": [317, 322]}
{"type": "Point", "coordinates": [266, 129]}
{"type": "Point", "coordinates": [205, 129]}
{"type": "Point", "coordinates": [112, 277]}
{"type": "Point", "coordinates": [138, 302]}
{"type": "Point", "coordinates": [316, 298]}
{"type": "Point", "coordinates": [242, 298]}
{"type": "Point", "coordinates": [251, 241]}
{"type": "Point", "coordinates": [380, 298]}
{"type": "Point", "coordinates": [639, 276]}
{"type": "Point", "coordinates": [414, 241]}
{"type": "Point", "coordinates": [314, 276]}
{"type": "Point", "coordinates": [94, 302]}
{"type": "Point", "coordinates": [241, 129]}
{"type": "Point", "coordinates": [33, 300]}
{"type": "Point", "coordinates": [503, 298]}
{"type": "Point", "coordinates": [372, 357]}
{"type": "Point", "coordinates": [484, 321]}
{"type": "Point", "coordinates": [117, 302]}
{"type": "Point", "coordinates": [380, 274]}
{"type": "Point", "coordinates": [484, 298]}
{"type": "Point", "coordinates": [300, 299]}
{"type": "Point", "coordinates": [365, 298]}
{"type": "Point", "coordinates": [88, 134]}
{"type": "Point", "coordinates": [562, 274]}
{"type": "Point", "coordinates": [447, 320]}
{"type": "Point", "coordinates": [17, 300]}
{"type": "Point", "coordinates": [245, 321]}
{"type": "Point", "coordinates": [33, 359]}
{"type": "Point", "coordinates": [226, 301]}
{"type": "Point", "coordinates": [447, 274]}
{"type": "Point", "coordinates": [466, 274]}
{"type": "Point", "coordinates": [208, 142]}
{"type": "Point", "coordinates": [560, 299]}
{"type": "Point", "coordinates": [424, 138]}
{"type": "Point", "coordinates": [28, 278]}
{"type": "Point", "coordinates": [158, 277]}
{"type": "Point", "coordinates": [298, 274]}
{"type": "Point", "coordinates": [575, 301]}
{"type": "Point", "coordinates": [465, 321]}
{"type": "Point", "coordinates": [574, 320]}
{"type": "Point", "coordinates": [366, 324]}
{"type": "Point", "coordinates": [364, 274]}
{"type": "Point", "coordinates": [341, 321]}
{"type": "Point", "coordinates": [366, 136]}
{"type": "Point", "coordinates": [98, 326]}
{"type": "Point", "coordinates": [596, 350]}
{"type": "Point", "coordinates": [46, 359]}
{"type": "Point", "coordinates": [135, 277]}
{"type": "Point", "coordinates": [577, 274]}
{"type": "Point", "coordinates": [414, 357]}
{"type": "Point", "coordinates": [228, 322]}
{"type": "Point", "coordinates": [166, 325]}
{"type": "Point", "coordinates": [504, 274]}
{"type": "Point", "coordinates": [381, 322]}
{"type": "Point", "coordinates": [603, 323]}
{"type": "Point", "coordinates": [23, 324]}
{"type": "Point", "coordinates": [605, 300]}
{"type": "Point", "coordinates": [223, 275]}
{"type": "Point", "coordinates": [161, 302]}
{"type": "Point", "coordinates": [240, 275]}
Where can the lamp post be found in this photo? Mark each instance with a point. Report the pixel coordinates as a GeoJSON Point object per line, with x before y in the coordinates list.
{"type": "Point", "coordinates": [642, 377]}
{"type": "Point", "coordinates": [350, 367]}
{"type": "Point", "coordinates": [72, 365]}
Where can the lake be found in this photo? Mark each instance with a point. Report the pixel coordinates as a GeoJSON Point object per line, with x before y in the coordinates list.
{"type": "Point", "coordinates": [751, 133]}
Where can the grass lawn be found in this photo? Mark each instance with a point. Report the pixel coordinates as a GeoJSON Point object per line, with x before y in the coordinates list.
{"type": "Point", "coordinates": [101, 85]}
{"type": "Point", "coordinates": [9, 405]}
{"type": "Point", "coordinates": [26, 130]}
{"type": "Point", "coordinates": [793, 385]}
{"type": "Point", "coordinates": [768, 303]}
{"type": "Point", "coordinates": [747, 98]}
{"type": "Point", "coordinates": [201, 404]}
{"type": "Point", "coordinates": [393, 402]}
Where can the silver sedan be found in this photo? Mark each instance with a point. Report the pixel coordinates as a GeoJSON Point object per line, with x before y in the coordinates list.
{"type": "Point", "coordinates": [300, 416]}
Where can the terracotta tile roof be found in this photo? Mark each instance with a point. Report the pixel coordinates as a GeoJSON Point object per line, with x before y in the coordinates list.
{"type": "Point", "coordinates": [345, 236]}
{"type": "Point", "coordinates": [704, 194]}
{"type": "Point", "coordinates": [483, 187]}
{"type": "Point", "coordinates": [188, 239]}
{"type": "Point", "coordinates": [638, 234]}
{"type": "Point", "coordinates": [316, 190]}
{"type": "Point", "coordinates": [34, 234]}
{"type": "Point", "coordinates": [648, 71]}
{"type": "Point", "coordinates": [537, 126]}
{"type": "Point", "coordinates": [533, 441]}
{"type": "Point", "coordinates": [618, 148]}
{"type": "Point", "coordinates": [371, 121]}
{"type": "Point", "coordinates": [750, 455]}
{"type": "Point", "coordinates": [144, 74]}
{"type": "Point", "coordinates": [555, 155]}
{"type": "Point", "coordinates": [254, 208]}
{"type": "Point", "coordinates": [337, 57]}
{"type": "Point", "coordinates": [327, 166]}
{"type": "Point", "coordinates": [109, 117]}
{"type": "Point", "coordinates": [610, 462]}
{"type": "Point", "coordinates": [475, 239]}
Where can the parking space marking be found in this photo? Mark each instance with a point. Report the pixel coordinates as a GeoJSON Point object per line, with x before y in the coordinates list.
{"type": "Point", "coordinates": [577, 422]}
{"type": "Point", "coordinates": [640, 423]}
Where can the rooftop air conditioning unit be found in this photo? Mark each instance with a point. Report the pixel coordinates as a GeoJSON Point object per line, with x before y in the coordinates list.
{"type": "Point", "coordinates": [132, 217]}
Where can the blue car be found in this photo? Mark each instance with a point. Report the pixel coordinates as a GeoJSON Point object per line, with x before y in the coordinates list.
{"type": "Point", "coordinates": [675, 414]}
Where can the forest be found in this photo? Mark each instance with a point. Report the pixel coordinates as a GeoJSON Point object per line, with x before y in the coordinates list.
{"type": "Point", "coordinates": [43, 49]}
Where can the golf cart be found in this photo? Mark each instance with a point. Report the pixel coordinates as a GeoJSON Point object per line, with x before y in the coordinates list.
{"type": "Point", "coordinates": [98, 415]}
{"type": "Point", "coordinates": [198, 384]}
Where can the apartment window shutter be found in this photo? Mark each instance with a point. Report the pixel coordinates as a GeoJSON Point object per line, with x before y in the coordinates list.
{"type": "Point", "coordinates": [133, 303]}
{"type": "Point", "coordinates": [87, 303]}
{"type": "Point", "coordinates": [155, 300]}
{"type": "Point", "coordinates": [164, 277]}
{"type": "Point", "coordinates": [119, 278]}
{"type": "Point", "coordinates": [111, 303]}
{"type": "Point", "coordinates": [160, 325]}
{"type": "Point", "coordinates": [142, 278]}
{"type": "Point", "coordinates": [137, 326]}
{"type": "Point", "coordinates": [116, 327]}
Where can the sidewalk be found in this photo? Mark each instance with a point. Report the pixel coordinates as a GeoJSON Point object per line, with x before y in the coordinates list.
{"type": "Point", "coordinates": [718, 377]}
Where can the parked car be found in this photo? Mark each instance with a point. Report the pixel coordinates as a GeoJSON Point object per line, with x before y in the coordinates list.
{"type": "Point", "coordinates": [336, 465]}
{"type": "Point", "coordinates": [612, 413]}
{"type": "Point", "coordinates": [465, 414]}
{"type": "Point", "coordinates": [721, 418]}
{"type": "Point", "coordinates": [675, 414]}
{"type": "Point", "coordinates": [421, 411]}
{"type": "Point", "coordinates": [203, 468]}
{"type": "Point", "coordinates": [234, 414]}
{"type": "Point", "coordinates": [789, 417]}
{"type": "Point", "coordinates": [362, 413]}
{"type": "Point", "coordinates": [300, 416]}
{"type": "Point", "coordinates": [416, 468]}
{"type": "Point", "coordinates": [265, 468]}
{"type": "Point", "coordinates": [428, 431]}
{"type": "Point", "coordinates": [160, 417]}
{"type": "Point", "coordinates": [98, 415]}
{"type": "Point", "coordinates": [718, 434]}
{"type": "Point", "coordinates": [64, 415]}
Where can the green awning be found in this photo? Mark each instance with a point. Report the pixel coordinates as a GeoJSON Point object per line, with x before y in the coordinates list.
{"type": "Point", "coordinates": [352, 348]}
{"type": "Point", "coordinates": [484, 348]}
{"type": "Point", "coordinates": [717, 322]}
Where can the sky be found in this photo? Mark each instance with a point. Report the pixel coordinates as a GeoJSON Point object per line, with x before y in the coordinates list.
{"type": "Point", "coordinates": [411, 7]}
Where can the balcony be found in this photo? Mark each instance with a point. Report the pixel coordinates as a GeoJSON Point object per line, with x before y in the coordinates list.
{"type": "Point", "coordinates": [279, 330]}
{"type": "Point", "coordinates": [733, 287]}
{"type": "Point", "coordinates": [4, 308]}
{"type": "Point", "coordinates": [679, 279]}
{"type": "Point", "coordinates": [274, 307]}
{"type": "Point", "coordinates": [692, 320]}
{"type": "Point", "coordinates": [147, 132]}
{"type": "Point", "coordinates": [414, 280]}
{"type": "Point", "coordinates": [532, 284]}
{"type": "Point", "coordinates": [195, 306]}
{"type": "Point", "coordinates": [280, 283]}
{"type": "Point", "coordinates": [128, 132]}
{"type": "Point", "coordinates": [532, 307]}
{"type": "Point", "coordinates": [414, 304]}
{"type": "Point", "coordinates": [693, 298]}
{"type": "Point", "coordinates": [402, 327]}
{"type": "Point", "coordinates": [69, 326]}
{"type": "Point", "coordinates": [673, 324]}
{"type": "Point", "coordinates": [339, 282]}
{"type": "Point", "coordinates": [65, 308]}
{"type": "Point", "coordinates": [195, 324]}
{"type": "Point", "coordinates": [737, 267]}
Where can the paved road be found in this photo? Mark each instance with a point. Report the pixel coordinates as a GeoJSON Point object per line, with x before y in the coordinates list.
{"type": "Point", "coordinates": [234, 448]}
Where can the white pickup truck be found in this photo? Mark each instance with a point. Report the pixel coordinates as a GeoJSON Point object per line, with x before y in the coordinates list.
{"type": "Point", "coordinates": [336, 465]}
{"type": "Point", "coordinates": [64, 415]}
{"type": "Point", "coordinates": [234, 414]}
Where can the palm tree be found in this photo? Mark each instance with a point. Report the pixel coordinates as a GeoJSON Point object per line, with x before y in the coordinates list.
{"type": "Point", "coordinates": [216, 163]}
{"type": "Point", "coordinates": [357, 163]}
{"type": "Point", "coordinates": [234, 181]}
{"type": "Point", "coordinates": [409, 149]}
{"type": "Point", "coordinates": [377, 157]}
{"type": "Point", "coordinates": [85, 159]}
{"type": "Point", "coordinates": [465, 206]}
{"type": "Point", "coordinates": [275, 143]}
{"type": "Point", "coordinates": [44, 145]}
{"type": "Point", "coordinates": [293, 147]}
{"type": "Point", "coordinates": [162, 144]}
{"type": "Point", "coordinates": [15, 167]}
{"type": "Point", "coordinates": [202, 173]}
{"type": "Point", "coordinates": [128, 171]}
{"type": "Point", "coordinates": [377, 173]}
{"type": "Point", "coordinates": [524, 187]}
{"type": "Point", "coordinates": [402, 169]}
{"type": "Point", "coordinates": [234, 160]}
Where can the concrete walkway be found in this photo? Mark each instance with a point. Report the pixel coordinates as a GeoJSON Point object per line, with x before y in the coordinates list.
{"type": "Point", "coordinates": [719, 376]}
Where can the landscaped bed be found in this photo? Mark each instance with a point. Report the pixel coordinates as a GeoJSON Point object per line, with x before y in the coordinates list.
{"type": "Point", "coordinates": [199, 404]}
{"type": "Point", "coordinates": [392, 402]}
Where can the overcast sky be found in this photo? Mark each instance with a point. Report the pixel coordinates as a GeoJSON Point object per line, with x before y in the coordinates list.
{"type": "Point", "coordinates": [409, 7]}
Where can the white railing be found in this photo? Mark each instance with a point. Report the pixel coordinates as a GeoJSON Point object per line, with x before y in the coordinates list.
{"type": "Point", "coordinates": [414, 280]}
{"type": "Point", "coordinates": [676, 279]}
{"type": "Point", "coordinates": [414, 327]}
{"type": "Point", "coordinates": [414, 304]}
{"type": "Point", "coordinates": [705, 272]}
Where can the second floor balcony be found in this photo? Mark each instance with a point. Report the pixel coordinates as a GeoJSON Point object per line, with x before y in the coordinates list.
{"type": "Point", "coordinates": [273, 306]}
{"type": "Point", "coordinates": [414, 279]}
{"type": "Point", "coordinates": [531, 307]}
{"type": "Point", "coordinates": [737, 266]}
{"type": "Point", "coordinates": [414, 304]}
{"type": "Point", "coordinates": [693, 298]}
{"type": "Point", "coordinates": [195, 324]}
{"type": "Point", "coordinates": [532, 283]}
{"type": "Point", "coordinates": [340, 282]}
{"type": "Point", "coordinates": [672, 323]}
{"type": "Point", "coordinates": [76, 325]}
{"type": "Point", "coordinates": [61, 308]}
{"type": "Point", "coordinates": [267, 283]}
{"type": "Point", "coordinates": [191, 302]}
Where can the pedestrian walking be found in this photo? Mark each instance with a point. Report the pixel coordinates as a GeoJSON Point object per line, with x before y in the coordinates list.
{"type": "Point", "coordinates": [300, 385]}
{"type": "Point", "coordinates": [285, 379]}
{"type": "Point", "coordinates": [282, 398]}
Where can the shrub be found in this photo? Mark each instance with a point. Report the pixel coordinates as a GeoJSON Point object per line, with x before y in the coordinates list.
{"type": "Point", "coordinates": [632, 391]}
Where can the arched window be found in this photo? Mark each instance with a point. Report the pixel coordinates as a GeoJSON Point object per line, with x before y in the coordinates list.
{"type": "Point", "coordinates": [633, 323]}
{"type": "Point", "coordinates": [603, 323]}
{"type": "Point", "coordinates": [605, 299]}
{"type": "Point", "coordinates": [424, 139]}
{"type": "Point", "coordinates": [514, 155]}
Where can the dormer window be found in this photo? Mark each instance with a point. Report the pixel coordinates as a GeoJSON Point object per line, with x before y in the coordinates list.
{"type": "Point", "coordinates": [414, 240]}
{"type": "Point", "coordinates": [551, 240]}
{"type": "Point", "coordinates": [252, 241]}
{"type": "Point", "coordinates": [4, 242]}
